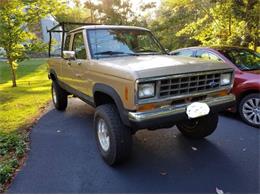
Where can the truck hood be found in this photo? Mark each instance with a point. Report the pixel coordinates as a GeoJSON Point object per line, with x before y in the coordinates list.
{"type": "Point", "coordinates": [159, 65]}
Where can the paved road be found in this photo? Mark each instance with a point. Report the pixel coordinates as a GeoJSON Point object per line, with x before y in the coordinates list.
{"type": "Point", "coordinates": [64, 159]}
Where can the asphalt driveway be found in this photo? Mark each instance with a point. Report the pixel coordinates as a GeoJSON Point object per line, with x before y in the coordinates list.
{"type": "Point", "coordinates": [64, 159]}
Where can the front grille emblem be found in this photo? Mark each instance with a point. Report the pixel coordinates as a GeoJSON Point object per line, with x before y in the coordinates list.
{"type": "Point", "coordinates": [213, 84]}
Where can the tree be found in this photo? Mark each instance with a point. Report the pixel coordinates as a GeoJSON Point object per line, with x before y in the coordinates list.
{"type": "Point", "coordinates": [171, 17]}
{"type": "Point", "coordinates": [77, 13]}
{"type": "Point", "coordinates": [111, 11]}
{"type": "Point", "coordinates": [16, 19]}
{"type": "Point", "coordinates": [182, 23]}
{"type": "Point", "coordinates": [225, 22]}
{"type": "Point", "coordinates": [248, 12]}
{"type": "Point", "coordinates": [116, 12]}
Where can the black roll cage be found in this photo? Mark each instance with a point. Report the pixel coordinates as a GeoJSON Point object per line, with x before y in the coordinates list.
{"type": "Point", "coordinates": [63, 31]}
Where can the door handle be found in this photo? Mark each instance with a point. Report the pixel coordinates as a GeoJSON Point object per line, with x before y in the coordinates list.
{"type": "Point", "coordinates": [79, 63]}
{"type": "Point", "coordinates": [69, 63]}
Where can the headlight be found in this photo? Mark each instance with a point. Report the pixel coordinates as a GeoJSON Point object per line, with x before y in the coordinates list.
{"type": "Point", "coordinates": [225, 79]}
{"type": "Point", "coordinates": [146, 90]}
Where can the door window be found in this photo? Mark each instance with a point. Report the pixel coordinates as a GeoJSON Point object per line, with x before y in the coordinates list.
{"type": "Point", "coordinates": [67, 43]}
{"type": "Point", "coordinates": [207, 55]}
{"type": "Point", "coordinates": [186, 53]}
{"type": "Point", "coordinates": [214, 57]}
{"type": "Point", "coordinates": [79, 46]}
{"type": "Point", "coordinates": [202, 54]}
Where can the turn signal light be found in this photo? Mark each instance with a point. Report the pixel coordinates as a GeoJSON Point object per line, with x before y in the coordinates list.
{"type": "Point", "coordinates": [126, 93]}
{"type": "Point", "coordinates": [222, 93]}
{"type": "Point", "coordinates": [146, 107]}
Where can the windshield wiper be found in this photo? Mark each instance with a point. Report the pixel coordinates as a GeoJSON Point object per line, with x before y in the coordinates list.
{"type": "Point", "coordinates": [148, 51]}
{"type": "Point", "coordinates": [115, 53]}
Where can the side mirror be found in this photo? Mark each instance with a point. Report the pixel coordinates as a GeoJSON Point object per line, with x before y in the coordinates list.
{"type": "Point", "coordinates": [69, 55]}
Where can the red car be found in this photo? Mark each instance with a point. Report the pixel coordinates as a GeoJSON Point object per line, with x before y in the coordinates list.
{"type": "Point", "coordinates": [247, 76]}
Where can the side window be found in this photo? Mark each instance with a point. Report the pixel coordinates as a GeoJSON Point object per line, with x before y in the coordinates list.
{"type": "Point", "coordinates": [207, 55]}
{"type": "Point", "coordinates": [214, 57]}
{"type": "Point", "coordinates": [174, 53]}
{"type": "Point", "coordinates": [67, 43]}
{"type": "Point", "coordinates": [78, 46]}
{"type": "Point", "coordinates": [186, 53]}
{"type": "Point", "coordinates": [202, 54]}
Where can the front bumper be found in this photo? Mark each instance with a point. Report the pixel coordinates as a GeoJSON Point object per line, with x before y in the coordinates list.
{"type": "Point", "coordinates": [168, 116]}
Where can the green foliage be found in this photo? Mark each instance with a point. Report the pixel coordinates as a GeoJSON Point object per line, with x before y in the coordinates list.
{"type": "Point", "coordinates": [6, 170]}
{"type": "Point", "coordinates": [34, 85]}
{"type": "Point", "coordinates": [12, 148]}
{"type": "Point", "coordinates": [74, 14]}
{"type": "Point", "coordinates": [12, 143]}
{"type": "Point", "coordinates": [116, 12]}
{"type": "Point", "coordinates": [111, 12]}
{"type": "Point", "coordinates": [185, 23]}
{"type": "Point", "coordinates": [17, 112]}
{"type": "Point", "coordinates": [171, 18]}
{"type": "Point", "coordinates": [17, 17]}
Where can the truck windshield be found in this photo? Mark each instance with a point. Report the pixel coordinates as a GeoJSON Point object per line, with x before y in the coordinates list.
{"type": "Point", "coordinates": [244, 59]}
{"type": "Point", "coordinates": [122, 42]}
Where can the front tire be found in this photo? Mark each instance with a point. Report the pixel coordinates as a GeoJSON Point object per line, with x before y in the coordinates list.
{"type": "Point", "coordinates": [113, 138]}
{"type": "Point", "coordinates": [200, 127]}
{"type": "Point", "coordinates": [59, 97]}
{"type": "Point", "coordinates": [249, 109]}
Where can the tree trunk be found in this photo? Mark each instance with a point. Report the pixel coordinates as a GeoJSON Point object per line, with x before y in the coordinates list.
{"type": "Point", "coordinates": [229, 24]}
{"type": "Point", "coordinates": [13, 71]}
{"type": "Point", "coordinates": [255, 43]}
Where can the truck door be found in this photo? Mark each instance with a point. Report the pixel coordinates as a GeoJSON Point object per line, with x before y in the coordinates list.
{"type": "Point", "coordinates": [80, 64]}
{"type": "Point", "coordinates": [67, 69]}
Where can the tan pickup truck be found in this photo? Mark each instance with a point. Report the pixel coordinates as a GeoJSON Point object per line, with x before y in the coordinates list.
{"type": "Point", "coordinates": [126, 74]}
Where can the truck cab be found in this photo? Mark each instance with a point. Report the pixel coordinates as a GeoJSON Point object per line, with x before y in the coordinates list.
{"type": "Point", "coordinates": [129, 78]}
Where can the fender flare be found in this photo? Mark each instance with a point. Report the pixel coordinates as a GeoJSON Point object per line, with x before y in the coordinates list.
{"type": "Point", "coordinates": [114, 95]}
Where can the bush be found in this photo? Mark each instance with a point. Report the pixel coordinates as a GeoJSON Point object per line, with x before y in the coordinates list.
{"type": "Point", "coordinates": [12, 148]}
{"type": "Point", "coordinates": [6, 170]}
{"type": "Point", "coordinates": [13, 143]}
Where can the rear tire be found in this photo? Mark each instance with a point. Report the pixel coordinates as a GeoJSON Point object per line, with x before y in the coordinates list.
{"type": "Point", "coordinates": [113, 138]}
{"type": "Point", "coordinates": [249, 109]}
{"type": "Point", "coordinates": [200, 127]}
{"type": "Point", "coordinates": [59, 97]}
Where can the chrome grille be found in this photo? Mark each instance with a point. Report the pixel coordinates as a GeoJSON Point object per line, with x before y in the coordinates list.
{"type": "Point", "coordinates": [189, 84]}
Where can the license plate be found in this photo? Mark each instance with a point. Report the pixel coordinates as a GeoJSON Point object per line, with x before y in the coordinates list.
{"type": "Point", "coordinates": [197, 109]}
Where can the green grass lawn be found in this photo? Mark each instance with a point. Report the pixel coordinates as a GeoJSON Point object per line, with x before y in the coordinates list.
{"type": "Point", "coordinates": [18, 107]}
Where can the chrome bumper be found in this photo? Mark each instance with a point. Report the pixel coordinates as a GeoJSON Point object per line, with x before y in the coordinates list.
{"type": "Point", "coordinates": [177, 109]}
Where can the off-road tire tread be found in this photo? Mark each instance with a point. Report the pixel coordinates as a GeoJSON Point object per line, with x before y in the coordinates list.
{"type": "Point", "coordinates": [119, 133]}
{"type": "Point", "coordinates": [205, 127]}
{"type": "Point", "coordinates": [62, 97]}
